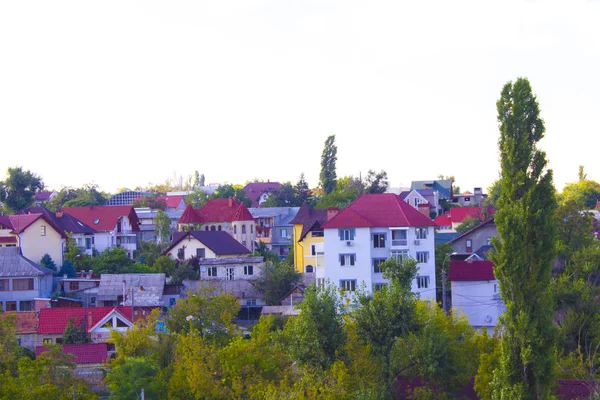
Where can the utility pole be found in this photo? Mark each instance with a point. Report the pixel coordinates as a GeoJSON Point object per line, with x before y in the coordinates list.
{"type": "Point", "coordinates": [444, 301]}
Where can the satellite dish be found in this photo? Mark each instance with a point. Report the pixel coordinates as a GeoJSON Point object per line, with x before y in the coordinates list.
{"type": "Point", "coordinates": [225, 224]}
{"type": "Point", "coordinates": [488, 318]}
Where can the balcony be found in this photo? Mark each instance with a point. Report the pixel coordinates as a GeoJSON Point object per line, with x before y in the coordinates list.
{"type": "Point", "coordinates": [265, 240]}
{"type": "Point", "coordinates": [125, 232]}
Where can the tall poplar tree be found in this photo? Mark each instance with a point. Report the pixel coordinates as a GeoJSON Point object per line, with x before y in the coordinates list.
{"type": "Point", "coordinates": [524, 250]}
{"type": "Point", "coordinates": [328, 175]}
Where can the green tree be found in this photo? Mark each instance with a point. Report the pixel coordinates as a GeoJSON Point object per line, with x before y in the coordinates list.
{"type": "Point", "coordinates": [87, 195]}
{"type": "Point", "coordinates": [162, 228]}
{"type": "Point", "coordinates": [197, 198]}
{"type": "Point", "coordinates": [151, 202]}
{"type": "Point", "coordinates": [126, 381]}
{"type": "Point", "coordinates": [348, 189]}
{"type": "Point", "coordinates": [468, 224]}
{"type": "Point", "coordinates": [376, 182]}
{"type": "Point", "coordinates": [524, 250]}
{"type": "Point", "coordinates": [17, 191]}
{"type": "Point", "coordinates": [302, 189]}
{"type": "Point", "coordinates": [328, 175]}
{"type": "Point", "coordinates": [165, 265]}
{"type": "Point", "coordinates": [584, 193]}
{"type": "Point", "coordinates": [277, 279]}
{"type": "Point", "coordinates": [316, 336]}
{"type": "Point", "coordinates": [67, 269]}
{"type": "Point", "coordinates": [75, 333]}
{"type": "Point", "coordinates": [47, 262]}
{"type": "Point", "coordinates": [285, 196]}
{"type": "Point", "coordinates": [235, 191]}
{"type": "Point", "coordinates": [113, 260]}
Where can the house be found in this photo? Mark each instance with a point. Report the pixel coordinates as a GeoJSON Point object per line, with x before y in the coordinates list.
{"type": "Point", "coordinates": [84, 288]}
{"type": "Point", "coordinates": [41, 198]}
{"type": "Point", "coordinates": [26, 326]}
{"type": "Point", "coordinates": [372, 229]}
{"type": "Point", "coordinates": [226, 215]}
{"type": "Point", "coordinates": [98, 322]}
{"type": "Point", "coordinates": [36, 235]}
{"type": "Point", "coordinates": [468, 199]}
{"type": "Point", "coordinates": [173, 202]}
{"type": "Point", "coordinates": [442, 186]}
{"type": "Point", "coordinates": [21, 281]}
{"type": "Point", "coordinates": [258, 192]}
{"type": "Point", "coordinates": [309, 250]}
{"type": "Point", "coordinates": [274, 227]}
{"type": "Point", "coordinates": [114, 225]}
{"type": "Point", "coordinates": [476, 240]}
{"type": "Point", "coordinates": [475, 292]}
{"type": "Point", "coordinates": [136, 290]}
{"type": "Point", "coordinates": [204, 244]}
{"type": "Point", "coordinates": [89, 359]}
{"type": "Point", "coordinates": [416, 200]}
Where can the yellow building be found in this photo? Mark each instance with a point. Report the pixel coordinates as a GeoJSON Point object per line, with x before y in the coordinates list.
{"type": "Point", "coordinates": [308, 238]}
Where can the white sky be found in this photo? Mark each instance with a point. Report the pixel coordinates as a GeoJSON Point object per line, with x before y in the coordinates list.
{"type": "Point", "coordinates": [123, 93]}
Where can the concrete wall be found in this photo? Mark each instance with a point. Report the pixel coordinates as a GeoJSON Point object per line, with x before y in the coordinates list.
{"type": "Point", "coordinates": [42, 287]}
{"type": "Point", "coordinates": [479, 300]}
{"type": "Point", "coordinates": [479, 238]}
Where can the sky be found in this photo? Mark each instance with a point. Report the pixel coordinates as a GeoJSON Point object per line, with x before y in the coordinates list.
{"type": "Point", "coordinates": [127, 93]}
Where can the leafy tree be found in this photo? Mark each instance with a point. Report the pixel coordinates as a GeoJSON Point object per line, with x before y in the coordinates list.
{"type": "Point", "coordinates": [584, 193]}
{"type": "Point", "coordinates": [165, 265]}
{"type": "Point", "coordinates": [151, 202]}
{"type": "Point", "coordinates": [468, 224]}
{"type": "Point", "coordinates": [493, 193]}
{"type": "Point", "coordinates": [148, 253]}
{"type": "Point", "coordinates": [278, 278]}
{"type": "Point", "coordinates": [302, 189]}
{"type": "Point", "coordinates": [235, 191]}
{"type": "Point", "coordinates": [162, 226]}
{"type": "Point", "coordinates": [67, 269]}
{"type": "Point", "coordinates": [328, 175]}
{"type": "Point", "coordinates": [262, 250]}
{"type": "Point", "coordinates": [126, 381]}
{"type": "Point", "coordinates": [442, 260]}
{"type": "Point", "coordinates": [285, 196]}
{"type": "Point", "coordinates": [87, 195]}
{"type": "Point", "coordinates": [75, 333]}
{"type": "Point", "coordinates": [316, 336]}
{"type": "Point", "coordinates": [8, 344]}
{"type": "Point", "coordinates": [376, 182]}
{"type": "Point", "coordinates": [17, 191]}
{"type": "Point", "coordinates": [113, 260]}
{"type": "Point", "coordinates": [524, 250]}
{"type": "Point", "coordinates": [197, 198]}
{"type": "Point", "coordinates": [347, 190]}
{"type": "Point", "coordinates": [47, 262]}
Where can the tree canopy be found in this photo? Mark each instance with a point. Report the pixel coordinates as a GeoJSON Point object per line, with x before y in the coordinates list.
{"type": "Point", "coordinates": [18, 190]}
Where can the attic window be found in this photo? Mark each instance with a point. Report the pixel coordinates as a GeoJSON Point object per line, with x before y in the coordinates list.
{"type": "Point", "coordinates": [96, 221]}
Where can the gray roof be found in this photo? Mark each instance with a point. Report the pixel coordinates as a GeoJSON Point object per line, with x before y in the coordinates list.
{"type": "Point", "coordinates": [232, 260]}
{"type": "Point", "coordinates": [13, 264]}
{"type": "Point", "coordinates": [258, 212]}
{"type": "Point", "coordinates": [147, 288]}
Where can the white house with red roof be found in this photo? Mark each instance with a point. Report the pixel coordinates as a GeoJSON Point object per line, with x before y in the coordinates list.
{"type": "Point", "coordinates": [259, 192]}
{"type": "Point", "coordinates": [475, 292]}
{"type": "Point", "coordinates": [372, 229]}
{"type": "Point", "coordinates": [114, 225]}
{"type": "Point", "coordinates": [228, 215]}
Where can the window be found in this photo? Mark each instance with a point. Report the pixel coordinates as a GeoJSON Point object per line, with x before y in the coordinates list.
{"type": "Point", "coordinates": [26, 305]}
{"type": "Point", "coordinates": [244, 243]}
{"type": "Point", "coordinates": [416, 202]}
{"type": "Point", "coordinates": [243, 228]}
{"type": "Point", "coordinates": [201, 253]}
{"type": "Point", "coordinates": [320, 282]}
{"type": "Point", "coordinates": [92, 301]}
{"type": "Point", "coordinates": [421, 233]}
{"type": "Point", "coordinates": [121, 323]}
{"type": "Point", "coordinates": [284, 233]}
{"type": "Point", "coordinates": [22, 284]}
{"type": "Point", "coordinates": [47, 341]}
{"type": "Point", "coordinates": [251, 302]}
{"type": "Point", "coordinates": [348, 284]}
{"type": "Point", "coordinates": [11, 306]}
{"type": "Point", "coordinates": [230, 273]}
{"type": "Point", "coordinates": [495, 288]}
{"type": "Point", "coordinates": [73, 285]}
{"type": "Point", "coordinates": [212, 272]}
{"type": "Point", "coordinates": [346, 234]}
{"type": "Point", "coordinates": [181, 253]}
{"type": "Point", "coordinates": [248, 270]}
{"type": "Point", "coordinates": [251, 228]}
{"type": "Point", "coordinates": [401, 254]}
{"type": "Point", "coordinates": [219, 228]}
{"type": "Point", "coordinates": [43, 230]}
{"type": "Point", "coordinates": [309, 269]}
{"type": "Point", "coordinates": [377, 265]}
{"type": "Point", "coordinates": [378, 286]}
{"type": "Point", "coordinates": [469, 245]}
{"type": "Point", "coordinates": [467, 199]}
{"type": "Point", "coordinates": [3, 285]}
{"type": "Point", "coordinates": [489, 241]}
{"type": "Point", "coordinates": [317, 234]}
{"type": "Point", "coordinates": [235, 229]}
{"type": "Point", "coordinates": [206, 228]}
{"type": "Point", "coordinates": [379, 240]}
{"type": "Point", "coordinates": [213, 228]}
{"type": "Point", "coordinates": [347, 259]}
{"type": "Point", "coordinates": [422, 256]}
{"type": "Point", "coordinates": [89, 242]}
{"type": "Point", "coordinates": [399, 237]}
{"type": "Point", "coordinates": [422, 282]}
{"type": "Point", "coordinates": [313, 250]}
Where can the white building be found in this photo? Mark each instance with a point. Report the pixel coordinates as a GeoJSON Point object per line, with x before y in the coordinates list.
{"type": "Point", "coordinates": [369, 231]}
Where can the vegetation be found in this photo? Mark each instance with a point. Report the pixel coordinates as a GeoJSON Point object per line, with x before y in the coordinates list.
{"type": "Point", "coordinates": [328, 176]}
{"type": "Point", "coordinates": [278, 278]}
{"type": "Point", "coordinates": [17, 191]}
{"type": "Point", "coordinates": [87, 195]}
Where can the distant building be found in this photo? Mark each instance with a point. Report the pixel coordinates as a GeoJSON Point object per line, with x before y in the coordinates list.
{"type": "Point", "coordinates": [259, 192]}
{"type": "Point", "coordinates": [41, 198]}
{"type": "Point", "coordinates": [274, 227]}
{"type": "Point", "coordinates": [468, 199]}
{"type": "Point", "coordinates": [125, 198]}
{"type": "Point", "coordinates": [204, 244]}
{"type": "Point", "coordinates": [442, 186]}
{"type": "Point", "coordinates": [309, 247]}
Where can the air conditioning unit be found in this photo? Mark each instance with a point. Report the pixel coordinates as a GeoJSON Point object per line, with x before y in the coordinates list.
{"type": "Point", "coordinates": [349, 243]}
{"type": "Point", "coordinates": [417, 242]}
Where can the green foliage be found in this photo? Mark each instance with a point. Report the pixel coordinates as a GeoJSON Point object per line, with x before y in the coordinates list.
{"type": "Point", "coordinates": [67, 269]}
{"type": "Point", "coordinates": [442, 259]}
{"type": "Point", "coordinates": [285, 196]}
{"type": "Point", "coordinates": [127, 380]}
{"type": "Point", "coordinates": [165, 265]}
{"type": "Point", "coordinates": [316, 336]}
{"type": "Point", "coordinates": [113, 260]}
{"type": "Point", "coordinates": [87, 195]}
{"type": "Point", "coordinates": [162, 228]}
{"type": "Point", "coordinates": [328, 175]}
{"type": "Point", "coordinates": [150, 201]}
{"type": "Point", "coordinates": [235, 191]}
{"type": "Point", "coordinates": [17, 191]}
{"type": "Point", "coordinates": [47, 262]}
{"type": "Point", "coordinates": [278, 278]}
{"type": "Point", "coordinates": [347, 190]}
{"type": "Point", "coordinates": [75, 333]}
{"type": "Point", "coordinates": [376, 182]}
{"type": "Point", "coordinates": [524, 250]}
{"type": "Point", "coordinates": [493, 193]}
{"type": "Point", "coordinates": [263, 251]}
{"type": "Point", "coordinates": [148, 253]}
{"type": "Point", "coordinates": [584, 193]}
{"type": "Point", "coordinates": [197, 198]}
{"type": "Point", "coordinates": [468, 224]}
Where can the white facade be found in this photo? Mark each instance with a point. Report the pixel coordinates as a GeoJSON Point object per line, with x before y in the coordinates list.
{"type": "Point", "coordinates": [414, 198]}
{"type": "Point", "coordinates": [361, 254]}
{"type": "Point", "coordinates": [479, 301]}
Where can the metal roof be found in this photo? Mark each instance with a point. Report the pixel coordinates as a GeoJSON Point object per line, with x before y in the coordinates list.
{"type": "Point", "coordinates": [147, 288]}
{"type": "Point", "coordinates": [13, 264]}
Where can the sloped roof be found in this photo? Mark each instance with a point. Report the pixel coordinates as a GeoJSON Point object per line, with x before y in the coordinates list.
{"type": "Point", "coordinates": [54, 320]}
{"type": "Point", "coordinates": [471, 271]}
{"type": "Point", "coordinates": [378, 210]}
{"type": "Point", "coordinates": [221, 243]}
{"type": "Point", "coordinates": [443, 220]}
{"type": "Point", "coordinates": [148, 288]}
{"type": "Point", "coordinates": [171, 201]}
{"type": "Point", "coordinates": [13, 264]}
{"type": "Point", "coordinates": [253, 190]}
{"type": "Point", "coordinates": [20, 222]}
{"type": "Point", "coordinates": [481, 225]}
{"type": "Point", "coordinates": [216, 210]}
{"type": "Point", "coordinates": [8, 239]}
{"type": "Point", "coordinates": [404, 194]}
{"type": "Point", "coordinates": [25, 321]}
{"type": "Point", "coordinates": [64, 221]}
{"type": "Point", "coordinates": [43, 196]}
{"type": "Point", "coordinates": [103, 218]}
{"type": "Point", "coordinates": [309, 218]}
{"type": "Point", "coordinates": [89, 353]}
{"type": "Point", "coordinates": [5, 221]}
{"type": "Point", "coordinates": [232, 260]}
{"type": "Point", "coordinates": [459, 214]}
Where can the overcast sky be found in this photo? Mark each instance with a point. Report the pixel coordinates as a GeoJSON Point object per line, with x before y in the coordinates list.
{"type": "Point", "coordinates": [123, 93]}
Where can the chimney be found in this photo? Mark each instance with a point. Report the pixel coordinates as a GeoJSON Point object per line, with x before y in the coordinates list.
{"type": "Point", "coordinates": [230, 201]}
{"type": "Point", "coordinates": [59, 214]}
{"type": "Point", "coordinates": [89, 321]}
{"type": "Point", "coordinates": [332, 212]}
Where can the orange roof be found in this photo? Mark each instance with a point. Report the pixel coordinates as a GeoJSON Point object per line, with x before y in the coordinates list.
{"type": "Point", "coordinates": [25, 321]}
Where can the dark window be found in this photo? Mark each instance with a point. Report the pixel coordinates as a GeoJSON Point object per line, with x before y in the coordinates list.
{"type": "Point", "coordinates": [3, 285]}
{"type": "Point", "coordinates": [379, 240]}
{"type": "Point", "coordinates": [235, 229]}
{"type": "Point", "coordinates": [317, 234]}
{"type": "Point", "coordinates": [201, 253]}
{"type": "Point", "coordinates": [309, 269]}
{"type": "Point", "coordinates": [206, 228]}
{"type": "Point", "coordinates": [248, 270]}
{"type": "Point", "coordinates": [348, 284]}
{"type": "Point", "coordinates": [22, 284]}
{"type": "Point", "coordinates": [219, 228]}
{"type": "Point", "coordinates": [212, 271]}
{"type": "Point", "coordinates": [313, 250]}
{"type": "Point", "coordinates": [346, 234]}
{"type": "Point", "coordinates": [421, 233]}
{"type": "Point", "coordinates": [213, 228]}
{"type": "Point", "coordinates": [377, 265]}
{"type": "Point", "coordinates": [243, 228]}
{"type": "Point", "coordinates": [347, 259]}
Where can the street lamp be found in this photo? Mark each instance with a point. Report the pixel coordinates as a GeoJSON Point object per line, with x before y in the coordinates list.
{"type": "Point", "coordinates": [444, 305]}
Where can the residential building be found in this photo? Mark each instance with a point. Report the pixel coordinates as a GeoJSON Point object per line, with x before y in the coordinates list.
{"type": "Point", "coordinates": [372, 229]}
{"type": "Point", "coordinates": [97, 321]}
{"type": "Point", "coordinates": [89, 359]}
{"type": "Point", "coordinates": [176, 203]}
{"type": "Point", "coordinates": [468, 199]}
{"type": "Point", "coordinates": [204, 244]}
{"type": "Point", "coordinates": [259, 192]}
{"type": "Point", "coordinates": [457, 215]}
{"type": "Point", "coordinates": [21, 281]}
{"type": "Point", "coordinates": [475, 292]}
{"type": "Point", "coordinates": [114, 225]}
{"type": "Point", "coordinates": [41, 198]}
{"type": "Point", "coordinates": [227, 215]}
{"type": "Point", "coordinates": [309, 250]}
{"type": "Point", "coordinates": [442, 186]}
{"type": "Point", "coordinates": [274, 227]}
{"type": "Point", "coordinates": [477, 240]}
{"type": "Point", "coordinates": [26, 326]}
{"type": "Point", "coordinates": [136, 290]}
{"type": "Point", "coordinates": [418, 202]}
{"type": "Point", "coordinates": [84, 288]}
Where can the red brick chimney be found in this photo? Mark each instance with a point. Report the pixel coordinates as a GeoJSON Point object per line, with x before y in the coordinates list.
{"type": "Point", "coordinates": [59, 214]}
{"type": "Point", "coordinates": [332, 212]}
{"type": "Point", "coordinates": [89, 321]}
{"type": "Point", "coordinates": [230, 201]}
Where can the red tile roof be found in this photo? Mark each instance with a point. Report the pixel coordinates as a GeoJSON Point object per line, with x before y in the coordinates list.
{"type": "Point", "coordinates": [20, 222]}
{"type": "Point", "coordinates": [253, 190]}
{"type": "Point", "coordinates": [54, 320]}
{"type": "Point", "coordinates": [5, 222]}
{"type": "Point", "coordinates": [8, 239]}
{"type": "Point", "coordinates": [25, 321]}
{"type": "Point", "coordinates": [459, 214]}
{"type": "Point", "coordinates": [171, 201]}
{"type": "Point", "coordinates": [90, 353]}
{"type": "Point", "coordinates": [106, 216]}
{"type": "Point", "coordinates": [378, 210]}
{"type": "Point", "coordinates": [471, 271]}
{"type": "Point", "coordinates": [443, 220]}
{"type": "Point", "coordinates": [216, 210]}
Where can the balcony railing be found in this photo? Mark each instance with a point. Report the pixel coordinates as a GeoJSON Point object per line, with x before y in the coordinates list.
{"type": "Point", "coordinates": [400, 242]}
